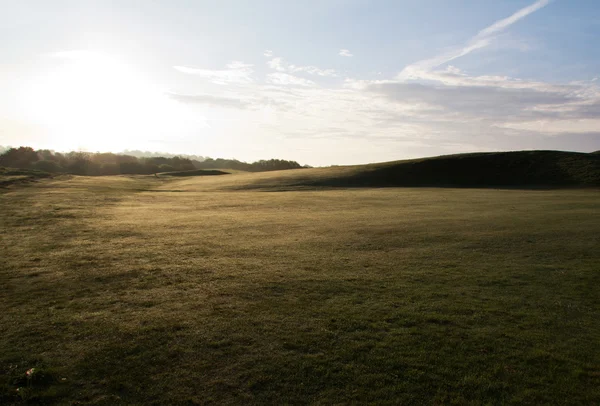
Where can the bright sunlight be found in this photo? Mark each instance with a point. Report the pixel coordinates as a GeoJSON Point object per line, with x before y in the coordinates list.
{"type": "Point", "coordinates": [94, 101]}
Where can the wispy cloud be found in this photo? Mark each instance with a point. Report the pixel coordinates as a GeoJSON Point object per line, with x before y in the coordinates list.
{"type": "Point", "coordinates": [479, 102]}
{"type": "Point", "coordinates": [345, 52]}
{"type": "Point", "coordinates": [236, 72]}
{"type": "Point", "coordinates": [453, 76]}
{"type": "Point", "coordinates": [285, 79]}
{"type": "Point", "coordinates": [430, 106]}
{"type": "Point", "coordinates": [268, 53]}
{"type": "Point", "coordinates": [504, 23]}
{"type": "Point", "coordinates": [479, 41]}
{"type": "Point", "coordinates": [312, 70]}
{"type": "Point", "coordinates": [278, 64]}
{"type": "Point", "coordinates": [209, 99]}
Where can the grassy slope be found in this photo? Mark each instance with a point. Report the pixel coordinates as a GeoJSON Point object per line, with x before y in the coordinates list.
{"type": "Point", "coordinates": [520, 168]}
{"type": "Point", "coordinates": [195, 172]}
{"type": "Point", "coordinates": [12, 176]}
{"type": "Point", "coordinates": [528, 169]}
{"type": "Point", "coordinates": [143, 290]}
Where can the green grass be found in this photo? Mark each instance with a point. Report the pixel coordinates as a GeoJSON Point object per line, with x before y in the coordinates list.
{"type": "Point", "coordinates": [144, 290]}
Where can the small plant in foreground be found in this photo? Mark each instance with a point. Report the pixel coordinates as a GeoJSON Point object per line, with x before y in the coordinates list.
{"type": "Point", "coordinates": [35, 384]}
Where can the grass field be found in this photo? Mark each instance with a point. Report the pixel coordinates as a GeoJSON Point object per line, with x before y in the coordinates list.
{"type": "Point", "coordinates": [145, 290]}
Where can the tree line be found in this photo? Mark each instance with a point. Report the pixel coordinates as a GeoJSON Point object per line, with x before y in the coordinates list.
{"type": "Point", "coordinates": [107, 163]}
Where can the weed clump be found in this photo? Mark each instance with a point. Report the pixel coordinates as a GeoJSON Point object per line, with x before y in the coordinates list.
{"type": "Point", "coordinates": [37, 384]}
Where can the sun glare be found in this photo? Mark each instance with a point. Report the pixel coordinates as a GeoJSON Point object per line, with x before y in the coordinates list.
{"type": "Point", "coordinates": [94, 101]}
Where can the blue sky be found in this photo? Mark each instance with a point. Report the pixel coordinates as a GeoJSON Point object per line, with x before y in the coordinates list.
{"type": "Point", "coordinates": [321, 82]}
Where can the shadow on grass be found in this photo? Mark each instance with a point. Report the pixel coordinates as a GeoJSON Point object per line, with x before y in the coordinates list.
{"type": "Point", "coordinates": [531, 170]}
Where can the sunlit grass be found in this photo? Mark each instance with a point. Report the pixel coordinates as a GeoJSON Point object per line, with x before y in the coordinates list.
{"type": "Point", "coordinates": [143, 290]}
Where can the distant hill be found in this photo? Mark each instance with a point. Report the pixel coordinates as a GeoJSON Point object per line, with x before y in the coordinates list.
{"type": "Point", "coordinates": [196, 172]}
{"type": "Point", "coordinates": [492, 169]}
{"type": "Point", "coordinates": [520, 169]}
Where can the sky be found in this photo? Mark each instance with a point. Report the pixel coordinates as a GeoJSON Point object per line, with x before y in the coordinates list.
{"type": "Point", "coordinates": [321, 82]}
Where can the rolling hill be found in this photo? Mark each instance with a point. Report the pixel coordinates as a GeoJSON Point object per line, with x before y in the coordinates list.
{"type": "Point", "coordinates": [11, 176]}
{"type": "Point", "coordinates": [520, 169]}
{"type": "Point", "coordinates": [195, 172]}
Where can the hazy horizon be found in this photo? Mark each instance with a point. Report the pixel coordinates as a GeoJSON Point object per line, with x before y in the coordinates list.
{"type": "Point", "coordinates": [321, 83]}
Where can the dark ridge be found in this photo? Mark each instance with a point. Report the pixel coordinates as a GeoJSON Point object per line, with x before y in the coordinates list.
{"type": "Point", "coordinates": [504, 169]}
{"type": "Point", "coordinates": [197, 172]}
{"type": "Point", "coordinates": [519, 169]}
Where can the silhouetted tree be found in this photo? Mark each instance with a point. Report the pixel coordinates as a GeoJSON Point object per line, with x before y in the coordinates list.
{"type": "Point", "coordinates": [47, 166]}
{"type": "Point", "coordinates": [22, 157]}
{"type": "Point", "coordinates": [93, 164]}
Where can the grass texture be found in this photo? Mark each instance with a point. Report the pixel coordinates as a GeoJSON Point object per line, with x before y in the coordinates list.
{"type": "Point", "coordinates": [208, 290]}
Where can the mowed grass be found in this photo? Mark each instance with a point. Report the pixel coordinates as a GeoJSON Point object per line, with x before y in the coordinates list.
{"type": "Point", "coordinates": [143, 290]}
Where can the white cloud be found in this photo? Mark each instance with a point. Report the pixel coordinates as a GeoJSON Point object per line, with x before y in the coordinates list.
{"type": "Point", "coordinates": [479, 41]}
{"type": "Point", "coordinates": [450, 101]}
{"type": "Point", "coordinates": [313, 70]}
{"type": "Point", "coordinates": [236, 72]}
{"type": "Point", "coordinates": [277, 64]}
{"type": "Point", "coordinates": [221, 101]}
{"type": "Point", "coordinates": [268, 53]}
{"type": "Point", "coordinates": [424, 110]}
{"type": "Point", "coordinates": [478, 101]}
{"type": "Point", "coordinates": [280, 65]}
{"type": "Point", "coordinates": [507, 22]}
{"type": "Point", "coordinates": [447, 111]}
{"type": "Point", "coordinates": [345, 52]}
{"type": "Point", "coordinates": [237, 65]}
{"type": "Point", "coordinates": [556, 127]}
{"type": "Point", "coordinates": [288, 80]}
{"type": "Point", "coordinates": [453, 76]}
